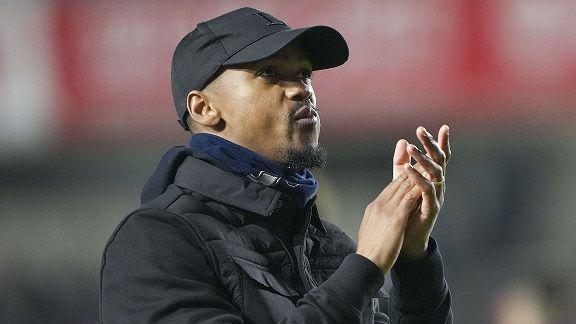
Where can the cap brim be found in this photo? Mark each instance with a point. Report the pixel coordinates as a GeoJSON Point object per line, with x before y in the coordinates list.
{"type": "Point", "coordinates": [325, 46]}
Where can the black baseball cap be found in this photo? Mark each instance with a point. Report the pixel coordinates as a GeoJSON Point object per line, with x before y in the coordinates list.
{"type": "Point", "coordinates": [242, 36]}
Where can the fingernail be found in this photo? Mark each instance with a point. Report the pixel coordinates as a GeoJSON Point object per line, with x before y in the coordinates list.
{"type": "Point", "coordinates": [425, 131]}
{"type": "Point", "coordinates": [415, 148]}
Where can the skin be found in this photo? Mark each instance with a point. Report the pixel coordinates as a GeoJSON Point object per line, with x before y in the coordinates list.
{"type": "Point", "coordinates": [406, 210]}
{"type": "Point", "coordinates": [253, 105]}
{"type": "Point", "coordinates": [430, 174]}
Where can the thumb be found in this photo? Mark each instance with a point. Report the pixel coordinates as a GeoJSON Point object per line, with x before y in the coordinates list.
{"type": "Point", "coordinates": [401, 157]}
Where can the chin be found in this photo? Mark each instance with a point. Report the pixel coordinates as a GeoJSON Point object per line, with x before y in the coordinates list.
{"type": "Point", "coordinates": [306, 141]}
{"type": "Point", "coordinates": [307, 145]}
{"type": "Point", "coordinates": [307, 156]}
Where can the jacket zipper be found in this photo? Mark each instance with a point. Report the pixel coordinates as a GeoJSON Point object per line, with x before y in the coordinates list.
{"type": "Point", "coordinates": [300, 254]}
{"type": "Point", "coordinates": [292, 261]}
{"type": "Point", "coordinates": [298, 265]}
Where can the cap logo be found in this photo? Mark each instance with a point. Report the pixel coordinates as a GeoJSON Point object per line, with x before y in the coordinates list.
{"type": "Point", "coordinates": [270, 21]}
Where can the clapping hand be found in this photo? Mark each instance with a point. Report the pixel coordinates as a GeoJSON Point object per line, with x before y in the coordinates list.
{"type": "Point", "coordinates": [429, 174]}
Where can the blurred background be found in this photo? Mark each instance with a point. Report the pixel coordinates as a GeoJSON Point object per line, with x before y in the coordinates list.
{"type": "Point", "coordinates": [86, 113]}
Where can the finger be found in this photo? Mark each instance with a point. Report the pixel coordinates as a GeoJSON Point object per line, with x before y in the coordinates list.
{"type": "Point", "coordinates": [431, 146]}
{"type": "Point", "coordinates": [444, 141]}
{"type": "Point", "coordinates": [438, 184]}
{"type": "Point", "coordinates": [420, 169]}
{"type": "Point", "coordinates": [401, 156]}
{"type": "Point", "coordinates": [410, 199]}
{"type": "Point", "coordinates": [405, 187]}
{"type": "Point", "coordinates": [428, 188]}
{"type": "Point", "coordinates": [391, 188]}
{"type": "Point", "coordinates": [418, 179]}
{"type": "Point", "coordinates": [426, 164]}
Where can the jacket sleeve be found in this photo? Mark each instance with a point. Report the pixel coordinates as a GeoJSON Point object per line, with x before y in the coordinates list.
{"type": "Point", "coordinates": [153, 272]}
{"type": "Point", "coordinates": [343, 297]}
{"type": "Point", "coordinates": [419, 292]}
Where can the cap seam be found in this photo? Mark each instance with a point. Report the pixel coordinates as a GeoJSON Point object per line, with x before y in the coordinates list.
{"type": "Point", "coordinates": [223, 47]}
{"type": "Point", "coordinates": [216, 38]}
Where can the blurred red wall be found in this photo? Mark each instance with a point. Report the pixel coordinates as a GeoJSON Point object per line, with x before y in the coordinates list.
{"type": "Point", "coordinates": [411, 61]}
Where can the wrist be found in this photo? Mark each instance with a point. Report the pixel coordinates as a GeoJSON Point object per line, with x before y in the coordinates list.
{"type": "Point", "coordinates": [414, 252]}
{"type": "Point", "coordinates": [372, 257]}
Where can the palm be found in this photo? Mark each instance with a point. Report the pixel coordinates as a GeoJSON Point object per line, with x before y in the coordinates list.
{"type": "Point", "coordinates": [425, 212]}
{"type": "Point", "coordinates": [420, 211]}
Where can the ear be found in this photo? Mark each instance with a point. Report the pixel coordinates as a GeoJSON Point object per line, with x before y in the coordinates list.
{"type": "Point", "coordinates": [201, 109]}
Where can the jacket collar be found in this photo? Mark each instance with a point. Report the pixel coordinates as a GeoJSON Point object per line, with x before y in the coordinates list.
{"type": "Point", "coordinates": [217, 184]}
{"type": "Point", "coordinates": [200, 176]}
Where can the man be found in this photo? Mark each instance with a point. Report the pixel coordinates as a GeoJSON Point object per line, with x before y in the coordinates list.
{"type": "Point", "coordinates": [228, 230]}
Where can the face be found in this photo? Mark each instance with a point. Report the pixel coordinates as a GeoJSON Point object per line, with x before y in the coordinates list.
{"type": "Point", "coordinates": [269, 106]}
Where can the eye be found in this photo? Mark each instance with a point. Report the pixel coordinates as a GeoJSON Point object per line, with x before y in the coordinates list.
{"type": "Point", "coordinates": [268, 72]}
{"type": "Point", "coordinates": [305, 74]}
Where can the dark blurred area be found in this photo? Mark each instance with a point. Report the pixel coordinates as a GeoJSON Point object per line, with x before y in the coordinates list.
{"type": "Point", "coordinates": [86, 113]}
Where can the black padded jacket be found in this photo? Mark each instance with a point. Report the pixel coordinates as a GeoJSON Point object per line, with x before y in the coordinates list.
{"type": "Point", "coordinates": [214, 247]}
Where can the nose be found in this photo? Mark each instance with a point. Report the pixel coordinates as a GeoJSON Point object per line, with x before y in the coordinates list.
{"type": "Point", "coordinates": [298, 90]}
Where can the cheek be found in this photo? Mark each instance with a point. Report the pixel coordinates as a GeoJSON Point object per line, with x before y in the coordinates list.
{"type": "Point", "coordinates": [256, 112]}
{"type": "Point", "coordinates": [258, 115]}
{"type": "Point", "coordinates": [263, 109]}
{"type": "Point", "coordinates": [241, 107]}
{"type": "Point", "coordinates": [266, 116]}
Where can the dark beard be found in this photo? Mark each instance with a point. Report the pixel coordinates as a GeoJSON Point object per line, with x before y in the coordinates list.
{"type": "Point", "coordinates": [305, 158]}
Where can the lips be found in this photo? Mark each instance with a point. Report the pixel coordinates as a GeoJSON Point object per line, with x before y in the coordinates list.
{"type": "Point", "coordinates": [305, 112]}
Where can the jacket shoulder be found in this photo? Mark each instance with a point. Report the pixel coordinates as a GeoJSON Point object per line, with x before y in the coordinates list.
{"type": "Point", "coordinates": [153, 248]}
{"type": "Point", "coordinates": [185, 212]}
{"type": "Point", "coordinates": [172, 216]}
